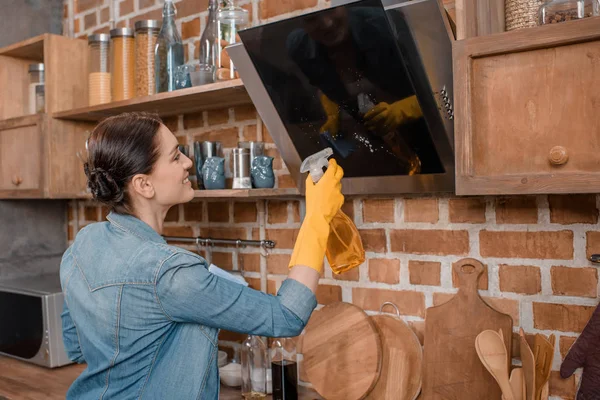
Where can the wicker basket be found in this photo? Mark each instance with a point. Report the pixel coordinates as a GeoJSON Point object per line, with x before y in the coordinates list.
{"type": "Point", "coordinates": [521, 13]}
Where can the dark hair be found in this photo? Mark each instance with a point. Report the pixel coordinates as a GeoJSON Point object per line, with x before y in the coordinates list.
{"type": "Point", "coordinates": [119, 148]}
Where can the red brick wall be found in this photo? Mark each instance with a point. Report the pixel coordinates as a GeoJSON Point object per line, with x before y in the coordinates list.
{"type": "Point", "coordinates": [534, 247]}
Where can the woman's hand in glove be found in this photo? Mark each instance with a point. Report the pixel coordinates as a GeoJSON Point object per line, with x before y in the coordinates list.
{"type": "Point", "coordinates": [323, 201]}
{"type": "Point", "coordinates": [386, 116]}
{"type": "Point", "coordinates": [332, 110]}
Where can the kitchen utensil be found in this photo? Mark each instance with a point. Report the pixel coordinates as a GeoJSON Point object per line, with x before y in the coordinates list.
{"type": "Point", "coordinates": [545, 391]}
{"type": "Point", "coordinates": [400, 377]}
{"type": "Point", "coordinates": [198, 161]}
{"type": "Point", "coordinates": [584, 353]}
{"type": "Point", "coordinates": [211, 149]}
{"type": "Point", "coordinates": [517, 384]}
{"type": "Point", "coordinates": [492, 353]}
{"type": "Point", "coordinates": [342, 352]}
{"type": "Point", "coordinates": [543, 353]}
{"type": "Point", "coordinates": [528, 362]}
{"type": "Point", "coordinates": [452, 369]}
{"type": "Point", "coordinates": [241, 169]}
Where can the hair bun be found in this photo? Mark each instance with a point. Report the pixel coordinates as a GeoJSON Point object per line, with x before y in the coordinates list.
{"type": "Point", "coordinates": [104, 188]}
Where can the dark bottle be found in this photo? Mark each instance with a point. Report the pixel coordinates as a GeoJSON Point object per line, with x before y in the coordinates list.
{"type": "Point", "coordinates": [284, 369]}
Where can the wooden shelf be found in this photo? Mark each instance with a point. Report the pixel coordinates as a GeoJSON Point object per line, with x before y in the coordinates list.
{"type": "Point", "coordinates": [247, 194]}
{"type": "Point", "coordinates": [255, 194]}
{"type": "Point", "coordinates": [214, 95]}
{"type": "Point", "coordinates": [30, 49]}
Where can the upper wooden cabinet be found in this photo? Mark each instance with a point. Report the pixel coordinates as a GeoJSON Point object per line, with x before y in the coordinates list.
{"type": "Point", "coordinates": [527, 109]}
{"type": "Point", "coordinates": [38, 153]}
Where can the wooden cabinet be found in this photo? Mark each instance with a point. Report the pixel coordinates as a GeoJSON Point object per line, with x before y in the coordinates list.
{"type": "Point", "coordinates": [21, 152]}
{"type": "Point", "coordinates": [527, 109]}
{"type": "Point", "coordinates": [38, 153]}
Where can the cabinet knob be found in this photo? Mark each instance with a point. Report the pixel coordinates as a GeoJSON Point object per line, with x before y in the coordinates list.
{"type": "Point", "coordinates": [17, 180]}
{"type": "Point", "coordinates": [558, 155]}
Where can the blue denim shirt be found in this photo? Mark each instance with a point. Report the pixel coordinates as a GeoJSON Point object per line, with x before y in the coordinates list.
{"type": "Point", "coordinates": [145, 316]}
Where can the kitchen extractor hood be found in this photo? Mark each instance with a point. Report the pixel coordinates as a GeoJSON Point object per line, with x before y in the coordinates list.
{"type": "Point", "coordinates": [371, 80]}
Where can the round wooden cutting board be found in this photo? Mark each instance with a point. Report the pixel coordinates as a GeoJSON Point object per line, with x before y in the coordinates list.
{"type": "Point", "coordinates": [400, 377]}
{"type": "Point", "coordinates": [342, 352]}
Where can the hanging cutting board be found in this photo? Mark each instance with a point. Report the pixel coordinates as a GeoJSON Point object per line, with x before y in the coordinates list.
{"type": "Point", "coordinates": [451, 368]}
{"type": "Point", "coordinates": [401, 365]}
{"type": "Point", "coordinates": [342, 352]}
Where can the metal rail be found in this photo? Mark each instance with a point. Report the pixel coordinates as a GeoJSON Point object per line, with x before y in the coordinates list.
{"type": "Point", "coordinates": [268, 244]}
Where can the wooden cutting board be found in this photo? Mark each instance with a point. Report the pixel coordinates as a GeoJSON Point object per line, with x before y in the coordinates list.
{"type": "Point", "coordinates": [400, 377]}
{"type": "Point", "coordinates": [342, 352]}
{"type": "Point", "coordinates": [451, 368]}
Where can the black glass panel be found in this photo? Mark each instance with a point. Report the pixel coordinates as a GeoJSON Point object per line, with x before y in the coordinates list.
{"type": "Point", "coordinates": [337, 79]}
{"type": "Point", "coordinates": [21, 324]}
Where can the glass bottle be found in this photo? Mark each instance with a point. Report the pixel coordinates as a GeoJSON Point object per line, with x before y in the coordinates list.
{"type": "Point", "coordinates": [169, 50]}
{"type": "Point", "coordinates": [231, 19]}
{"type": "Point", "coordinates": [284, 369]}
{"type": "Point", "coordinates": [556, 11]}
{"type": "Point", "coordinates": [344, 246]}
{"type": "Point", "coordinates": [209, 44]}
{"type": "Point", "coordinates": [254, 368]}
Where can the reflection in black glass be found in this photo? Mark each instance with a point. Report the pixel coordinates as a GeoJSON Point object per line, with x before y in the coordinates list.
{"type": "Point", "coordinates": [337, 79]}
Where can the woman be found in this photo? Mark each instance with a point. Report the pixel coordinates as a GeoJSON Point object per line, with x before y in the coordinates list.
{"type": "Point", "coordinates": [144, 315]}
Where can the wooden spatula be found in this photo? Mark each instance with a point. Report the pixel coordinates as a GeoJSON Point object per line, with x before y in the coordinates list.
{"type": "Point", "coordinates": [492, 353]}
{"type": "Point", "coordinates": [528, 366]}
{"type": "Point", "coordinates": [517, 384]}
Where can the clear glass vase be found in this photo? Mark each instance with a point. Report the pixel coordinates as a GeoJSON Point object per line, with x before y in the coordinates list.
{"type": "Point", "coordinates": [231, 19]}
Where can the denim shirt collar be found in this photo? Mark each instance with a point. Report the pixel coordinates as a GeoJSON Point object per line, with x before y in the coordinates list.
{"type": "Point", "coordinates": [135, 226]}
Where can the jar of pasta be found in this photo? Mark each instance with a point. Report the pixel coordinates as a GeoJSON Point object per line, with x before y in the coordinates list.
{"type": "Point", "coordinates": [99, 78]}
{"type": "Point", "coordinates": [123, 59]}
{"type": "Point", "coordinates": [146, 33]}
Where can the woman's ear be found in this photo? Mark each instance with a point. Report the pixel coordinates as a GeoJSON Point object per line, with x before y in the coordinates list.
{"type": "Point", "coordinates": [142, 185]}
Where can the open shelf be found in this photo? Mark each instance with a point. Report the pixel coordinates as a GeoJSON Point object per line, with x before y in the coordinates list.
{"type": "Point", "coordinates": [215, 95]}
{"type": "Point", "coordinates": [30, 49]}
{"type": "Point", "coordinates": [255, 194]}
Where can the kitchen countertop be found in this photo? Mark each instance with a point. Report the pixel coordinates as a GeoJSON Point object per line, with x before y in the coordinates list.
{"type": "Point", "coordinates": [24, 381]}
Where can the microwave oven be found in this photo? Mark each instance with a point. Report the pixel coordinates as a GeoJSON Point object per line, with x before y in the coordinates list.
{"type": "Point", "coordinates": [30, 323]}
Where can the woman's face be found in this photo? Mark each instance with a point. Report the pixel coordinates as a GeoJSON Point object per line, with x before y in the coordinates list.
{"type": "Point", "coordinates": [170, 174]}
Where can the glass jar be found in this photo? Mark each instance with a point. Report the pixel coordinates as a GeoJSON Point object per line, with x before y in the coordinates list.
{"type": "Point", "coordinates": [596, 8]}
{"type": "Point", "coordinates": [284, 369]}
{"type": "Point", "coordinates": [36, 79]}
{"type": "Point", "coordinates": [99, 77]}
{"type": "Point", "coordinates": [40, 99]}
{"type": "Point", "coordinates": [556, 11]}
{"type": "Point", "coordinates": [123, 59]}
{"type": "Point", "coordinates": [254, 368]}
{"type": "Point", "coordinates": [146, 33]}
{"type": "Point", "coordinates": [230, 20]}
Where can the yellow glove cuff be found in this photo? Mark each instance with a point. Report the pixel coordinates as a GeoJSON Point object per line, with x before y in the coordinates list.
{"type": "Point", "coordinates": [311, 244]}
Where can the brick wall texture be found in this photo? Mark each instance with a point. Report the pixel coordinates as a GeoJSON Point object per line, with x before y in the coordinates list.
{"type": "Point", "coordinates": [534, 247]}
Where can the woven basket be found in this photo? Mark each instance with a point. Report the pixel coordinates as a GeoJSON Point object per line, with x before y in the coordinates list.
{"type": "Point", "coordinates": [521, 13]}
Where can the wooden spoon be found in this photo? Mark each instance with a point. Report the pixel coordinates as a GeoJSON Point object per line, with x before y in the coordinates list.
{"type": "Point", "coordinates": [528, 366]}
{"type": "Point", "coordinates": [492, 353]}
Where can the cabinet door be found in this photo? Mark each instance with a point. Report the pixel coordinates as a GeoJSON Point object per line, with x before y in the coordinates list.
{"type": "Point", "coordinates": [21, 154]}
{"type": "Point", "coordinates": [528, 111]}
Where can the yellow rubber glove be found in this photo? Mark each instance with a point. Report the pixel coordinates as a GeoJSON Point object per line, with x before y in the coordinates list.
{"type": "Point", "coordinates": [332, 110]}
{"type": "Point", "coordinates": [323, 201]}
{"type": "Point", "coordinates": [390, 116]}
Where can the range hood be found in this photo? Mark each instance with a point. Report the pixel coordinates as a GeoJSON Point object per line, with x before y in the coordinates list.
{"type": "Point", "coordinates": [371, 80]}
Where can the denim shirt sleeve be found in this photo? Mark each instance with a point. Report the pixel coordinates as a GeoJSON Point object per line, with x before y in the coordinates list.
{"type": "Point", "coordinates": [70, 338]}
{"type": "Point", "coordinates": [188, 292]}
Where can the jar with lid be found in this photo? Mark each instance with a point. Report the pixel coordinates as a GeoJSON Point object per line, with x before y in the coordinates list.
{"type": "Point", "coordinates": [146, 33]}
{"type": "Point", "coordinates": [36, 79]}
{"type": "Point", "coordinates": [284, 369]}
{"type": "Point", "coordinates": [556, 11]}
{"type": "Point", "coordinates": [230, 20]}
{"type": "Point", "coordinates": [254, 368]}
{"type": "Point", "coordinates": [99, 77]}
{"type": "Point", "coordinates": [123, 59]}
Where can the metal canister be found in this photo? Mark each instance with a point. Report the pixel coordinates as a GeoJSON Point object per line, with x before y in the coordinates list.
{"type": "Point", "coordinates": [241, 169]}
{"type": "Point", "coordinates": [211, 149]}
{"type": "Point", "coordinates": [256, 149]}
